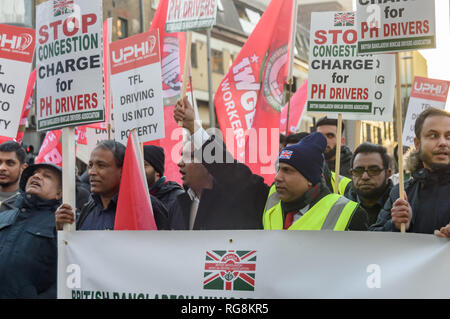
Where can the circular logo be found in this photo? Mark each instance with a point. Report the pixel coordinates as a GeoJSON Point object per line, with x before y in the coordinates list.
{"type": "Point", "coordinates": [274, 78]}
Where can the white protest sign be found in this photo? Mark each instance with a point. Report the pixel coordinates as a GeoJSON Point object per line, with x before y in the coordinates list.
{"type": "Point", "coordinates": [184, 15]}
{"type": "Point", "coordinates": [389, 26]}
{"type": "Point", "coordinates": [360, 87]}
{"type": "Point", "coordinates": [136, 87]}
{"type": "Point", "coordinates": [69, 63]}
{"type": "Point", "coordinates": [244, 264]}
{"type": "Point", "coordinates": [425, 93]}
{"type": "Point", "coordinates": [16, 55]}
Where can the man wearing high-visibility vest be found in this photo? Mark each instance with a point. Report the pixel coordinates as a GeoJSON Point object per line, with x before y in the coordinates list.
{"type": "Point", "coordinates": [299, 198]}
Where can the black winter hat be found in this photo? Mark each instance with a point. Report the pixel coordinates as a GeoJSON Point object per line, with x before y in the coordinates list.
{"type": "Point", "coordinates": [154, 155]}
{"type": "Point", "coordinates": [306, 156]}
{"type": "Point", "coordinates": [29, 171]}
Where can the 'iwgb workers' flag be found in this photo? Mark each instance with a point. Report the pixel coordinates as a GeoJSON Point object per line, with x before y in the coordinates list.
{"type": "Point", "coordinates": [249, 99]}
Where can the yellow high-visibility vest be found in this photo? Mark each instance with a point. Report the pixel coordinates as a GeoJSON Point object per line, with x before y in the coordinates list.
{"type": "Point", "coordinates": [333, 212]}
{"type": "Point", "coordinates": [343, 182]}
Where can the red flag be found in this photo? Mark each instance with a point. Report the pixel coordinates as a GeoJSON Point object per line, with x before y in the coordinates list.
{"type": "Point", "coordinates": [134, 209]}
{"type": "Point", "coordinates": [298, 101]}
{"type": "Point", "coordinates": [28, 101]}
{"type": "Point", "coordinates": [51, 149]}
{"type": "Point", "coordinates": [173, 46]}
{"type": "Point", "coordinates": [249, 98]}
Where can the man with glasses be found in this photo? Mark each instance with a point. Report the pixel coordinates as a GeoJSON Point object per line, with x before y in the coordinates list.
{"type": "Point", "coordinates": [370, 174]}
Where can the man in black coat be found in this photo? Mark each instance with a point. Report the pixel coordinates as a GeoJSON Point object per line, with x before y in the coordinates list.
{"type": "Point", "coordinates": [426, 206]}
{"type": "Point", "coordinates": [28, 247]}
{"type": "Point", "coordinates": [158, 185]}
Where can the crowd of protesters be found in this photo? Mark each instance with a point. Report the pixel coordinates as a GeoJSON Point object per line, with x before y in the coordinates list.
{"type": "Point", "coordinates": [224, 194]}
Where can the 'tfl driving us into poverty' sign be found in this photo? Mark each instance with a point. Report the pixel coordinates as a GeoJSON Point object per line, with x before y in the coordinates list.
{"type": "Point", "coordinates": [16, 55]}
{"type": "Point", "coordinates": [69, 63]}
{"type": "Point", "coordinates": [340, 80]}
{"type": "Point", "coordinates": [136, 87]}
{"type": "Point", "coordinates": [184, 15]}
{"type": "Point", "coordinates": [393, 25]}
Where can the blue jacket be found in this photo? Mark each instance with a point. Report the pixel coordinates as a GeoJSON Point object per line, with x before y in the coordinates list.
{"type": "Point", "coordinates": [28, 249]}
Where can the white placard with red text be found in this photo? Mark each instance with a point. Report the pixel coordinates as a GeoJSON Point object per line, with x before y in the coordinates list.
{"type": "Point", "coordinates": [425, 93]}
{"type": "Point", "coordinates": [16, 56]}
{"type": "Point", "coordinates": [184, 15]}
{"type": "Point", "coordinates": [69, 63]}
{"type": "Point", "coordinates": [360, 87]}
{"type": "Point", "coordinates": [136, 87]}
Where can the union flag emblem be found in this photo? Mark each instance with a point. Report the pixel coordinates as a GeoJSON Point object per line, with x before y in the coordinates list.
{"type": "Point", "coordinates": [61, 7]}
{"type": "Point", "coordinates": [230, 270]}
{"type": "Point", "coordinates": [286, 154]}
{"type": "Point", "coordinates": [344, 19]}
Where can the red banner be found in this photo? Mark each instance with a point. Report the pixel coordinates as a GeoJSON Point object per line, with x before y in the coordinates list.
{"type": "Point", "coordinates": [249, 99]}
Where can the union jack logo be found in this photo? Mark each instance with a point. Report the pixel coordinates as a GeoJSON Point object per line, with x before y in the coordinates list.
{"type": "Point", "coordinates": [230, 270]}
{"type": "Point", "coordinates": [61, 7]}
{"type": "Point", "coordinates": [286, 154]}
{"type": "Point", "coordinates": [343, 19]}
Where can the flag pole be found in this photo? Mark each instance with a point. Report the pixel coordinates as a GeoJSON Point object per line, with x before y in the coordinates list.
{"type": "Point", "coordinates": [187, 63]}
{"type": "Point", "coordinates": [357, 134]}
{"type": "Point", "coordinates": [398, 105]}
{"type": "Point", "coordinates": [291, 60]}
{"type": "Point", "coordinates": [68, 171]}
{"type": "Point", "coordinates": [338, 154]}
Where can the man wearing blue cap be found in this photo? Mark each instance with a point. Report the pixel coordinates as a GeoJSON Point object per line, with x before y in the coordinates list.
{"type": "Point", "coordinates": [299, 198]}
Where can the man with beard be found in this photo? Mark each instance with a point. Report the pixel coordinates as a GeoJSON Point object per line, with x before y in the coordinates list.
{"type": "Point", "coordinates": [426, 207]}
{"type": "Point", "coordinates": [370, 176]}
{"type": "Point", "coordinates": [12, 164]}
{"type": "Point", "coordinates": [166, 191]}
{"type": "Point", "coordinates": [328, 127]}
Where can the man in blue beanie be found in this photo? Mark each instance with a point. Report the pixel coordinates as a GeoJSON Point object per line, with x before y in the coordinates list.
{"type": "Point", "coordinates": [299, 198]}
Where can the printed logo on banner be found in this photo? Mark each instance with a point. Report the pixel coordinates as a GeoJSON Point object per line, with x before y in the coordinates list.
{"type": "Point", "coordinates": [61, 7]}
{"type": "Point", "coordinates": [17, 42]}
{"type": "Point", "coordinates": [436, 90]}
{"type": "Point", "coordinates": [135, 52]}
{"type": "Point", "coordinates": [171, 83]}
{"type": "Point", "coordinates": [230, 270]}
{"type": "Point", "coordinates": [273, 78]}
{"type": "Point", "coordinates": [343, 19]}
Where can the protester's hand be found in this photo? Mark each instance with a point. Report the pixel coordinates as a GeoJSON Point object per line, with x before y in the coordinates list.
{"type": "Point", "coordinates": [64, 215]}
{"type": "Point", "coordinates": [185, 114]}
{"type": "Point", "coordinates": [401, 213]}
{"type": "Point", "coordinates": [444, 232]}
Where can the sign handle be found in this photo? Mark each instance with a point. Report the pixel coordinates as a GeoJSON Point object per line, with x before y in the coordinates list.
{"type": "Point", "coordinates": [357, 134]}
{"type": "Point", "coordinates": [398, 105]}
{"type": "Point", "coordinates": [289, 105]}
{"type": "Point", "coordinates": [68, 168]}
{"type": "Point", "coordinates": [338, 154]}
{"type": "Point", "coordinates": [187, 63]}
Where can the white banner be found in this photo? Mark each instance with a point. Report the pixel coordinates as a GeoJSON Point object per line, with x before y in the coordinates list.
{"type": "Point", "coordinates": [360, 87]}
{"type": "Point", "coordinates": [395, 25]}
{"type": "Point", "coordinates": [184, 15]}
{"type": "Point", "coordinates": [251, 264]}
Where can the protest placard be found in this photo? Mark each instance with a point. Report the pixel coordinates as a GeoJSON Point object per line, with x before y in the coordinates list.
{"type": "Point", "coordinates": [16, 54]}
{"type": "Point", "coordinates": [425, 93]}
{"type": "Point", "coordinates": [389, 26]}
{"type": "Point", "coordinates": [186, 15]}
{"type": "Point", "coordinates": [361, 87]}
{"type": "Point", "coordinates": [136, 87]}
{"type": "Point", "coordinates": [69, 63]}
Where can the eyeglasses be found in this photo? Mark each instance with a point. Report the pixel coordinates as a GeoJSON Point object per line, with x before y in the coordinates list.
{"type": "Point", "coordinates": [371, 171]}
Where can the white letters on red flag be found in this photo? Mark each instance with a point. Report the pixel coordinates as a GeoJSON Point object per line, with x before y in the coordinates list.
{"type": "Point", "coordinates": [134, 209]}
{"type": "Point", "coordinates": [51, 149]}
{"type": "Point", "coordinates": [298, 101]}
{"type": "Point", "coordinates": [249, 98]}
{"type": "Point", "coordinates": [27, 102]}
